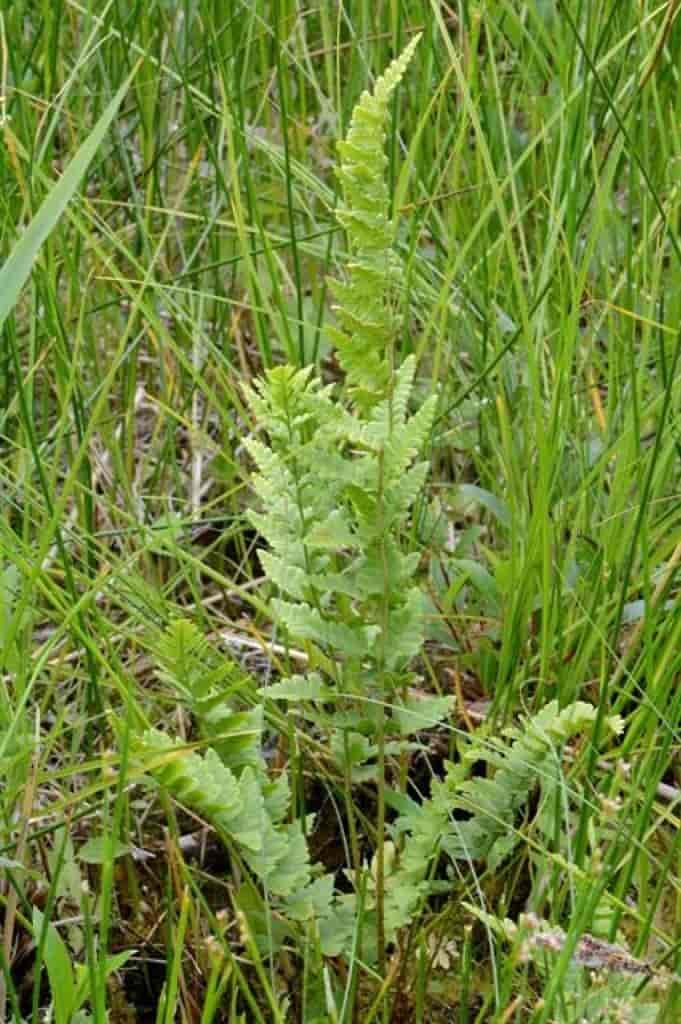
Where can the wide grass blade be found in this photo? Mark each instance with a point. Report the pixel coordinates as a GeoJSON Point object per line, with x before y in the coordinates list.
{"type": "Point", "coordinates": [18, 266]}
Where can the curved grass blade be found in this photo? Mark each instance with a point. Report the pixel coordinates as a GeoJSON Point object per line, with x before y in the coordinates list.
{"type": "Point", "coordinates": [16, 270]}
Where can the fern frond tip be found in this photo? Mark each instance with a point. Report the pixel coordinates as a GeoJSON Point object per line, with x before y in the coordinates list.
{"type": "Point", "coordinates": [394, 73]}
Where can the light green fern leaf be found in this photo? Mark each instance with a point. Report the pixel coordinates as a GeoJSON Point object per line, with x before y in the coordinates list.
{"type": "Point", "coordinates": [493, 803]}
{"type": "Point", "coordinates": [311, 902]}
{"type": "Point", "coordinates": [277, 795]}
{"type": "Point", "coordinates": [389, 415]}
{"type": "Point", "coordinates": [202, 783]}
{"type": "Point", "coordinates": [307, 623]}
{"type": "Point", "coordinates": [236, 736]}
{"type": "Point", "coordinates": [284, 573]}
{"type": "Point", "coordinates": [291, 873]}
{"type": "Point", "coordinates": [248, 825]}
{"type": "Point", "coordinates": [187, 662]}
{"type": "Point", "coordinates": [404, 634]}
{"type": "Point", "coordinates": [240, 809]}
{"type": "Point", "coordinates": [205, 679]}
{"type": "Point", "coordinates": [368, 301]}
{"type": "Point", "coordinates": [298, 687]}
{"type": "Point", "coordinates": [402, 495]}
{"type": "Point", "coordinates": [402, 388]}
{"type": "Point", "coordinates": [406, 441]}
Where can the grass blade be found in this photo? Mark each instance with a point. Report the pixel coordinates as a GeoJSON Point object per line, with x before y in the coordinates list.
{"type": "Point", "coordinates": [17, 268]}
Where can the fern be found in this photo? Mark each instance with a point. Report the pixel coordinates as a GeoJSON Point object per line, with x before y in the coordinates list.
{"type": "Point", "coordinates": [229, 784]}
{"type": "Point", "coordinates": [493, 804]}
{"type": "Point", "coordinates": [337, 478]}
{"type": "Point", "coordinates": [247, 814]}
{"type": "Point", "coordinates": [236, 806]}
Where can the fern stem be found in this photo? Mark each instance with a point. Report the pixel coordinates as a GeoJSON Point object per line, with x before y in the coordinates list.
{"type": "Point", "coordinates": [380, 814]}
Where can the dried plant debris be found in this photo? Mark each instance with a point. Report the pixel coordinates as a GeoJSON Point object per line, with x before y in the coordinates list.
{"type": "Point", "coordinates": [589, 952]}
{"type": "Point", "coordinates": [534, 934]}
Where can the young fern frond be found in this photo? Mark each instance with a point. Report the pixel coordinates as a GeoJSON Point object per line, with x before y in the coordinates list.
{"type": "Point", "coordinates": [493, 804]}
{"type": "Point", "coordinates": [205, 679]}
{"type": "Point", "coordinates": [368, 301]}
{"type": "Point", "coordinates": [496, 801]}
{"type": "Point", "coordinates": [236, 806]}
{"type": "Point", "coordinates": [228, 784]}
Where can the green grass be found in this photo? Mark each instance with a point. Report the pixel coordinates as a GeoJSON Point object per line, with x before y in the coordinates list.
{"type": "Point", "coordinates": [534, 160]}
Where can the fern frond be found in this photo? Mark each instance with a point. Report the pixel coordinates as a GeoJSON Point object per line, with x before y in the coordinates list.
{"type": "Point", "coordinates": [186, 661]}
{"type": "Point", "coordinates": [368, 301]}
{"type": "Point", "coordinates": [363, 162]}
{"type": "Point", "coordinates": [205, 679]}
{"type": "Point", "coordinates": [239, 808]}
{"type": "Point", "coordinates": [496, 801]}
{"type": "Point", "coordinates": [493, 803]}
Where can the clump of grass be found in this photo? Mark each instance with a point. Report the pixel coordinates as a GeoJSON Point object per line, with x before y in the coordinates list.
{"type": "Point", "coordinates": [531, 170]}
